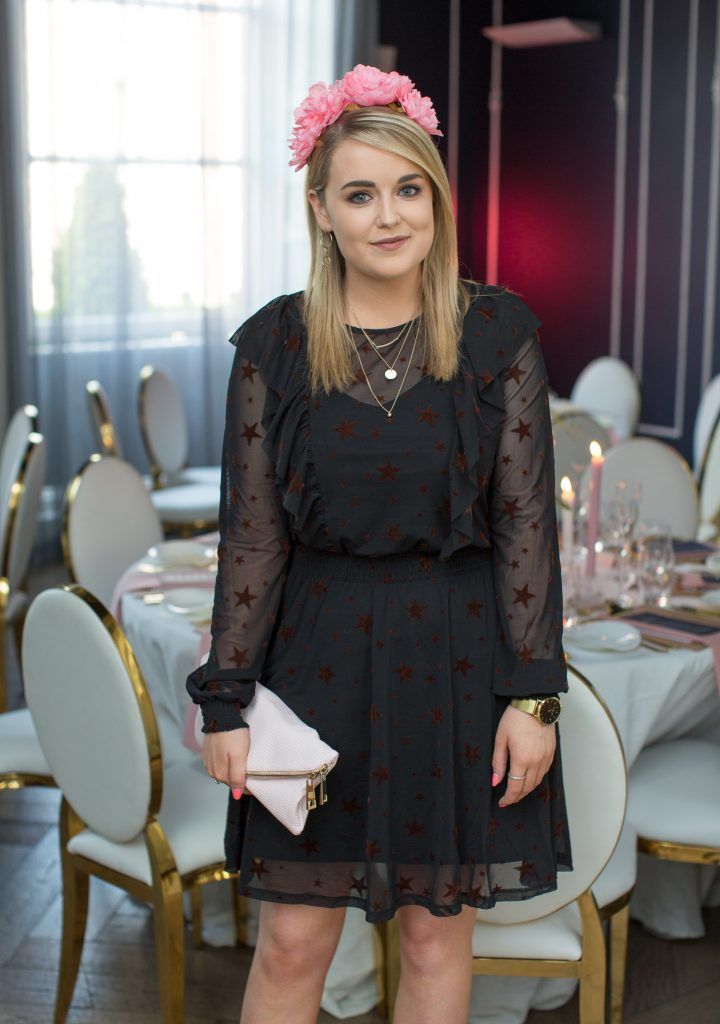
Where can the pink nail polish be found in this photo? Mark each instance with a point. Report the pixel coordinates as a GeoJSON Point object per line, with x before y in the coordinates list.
{"type": "Point", "coordinates": [495, 778]}
{"type": "Point", "coordinates": [237, 793]}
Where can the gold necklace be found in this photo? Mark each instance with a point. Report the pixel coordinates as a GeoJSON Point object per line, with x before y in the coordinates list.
{"type": "Point", "coordinates": [390, 372]}
{"type": "Point", "coordinates": [389, 411]}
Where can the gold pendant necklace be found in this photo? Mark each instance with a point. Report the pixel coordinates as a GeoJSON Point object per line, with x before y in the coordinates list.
{"type": "Point", "coordinates": [390, 372]}
{"type": "Point", "coordinates": [407, 370]}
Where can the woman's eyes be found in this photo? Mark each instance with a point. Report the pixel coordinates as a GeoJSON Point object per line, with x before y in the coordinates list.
{"type": "Point", "coordinates": [354, 195]}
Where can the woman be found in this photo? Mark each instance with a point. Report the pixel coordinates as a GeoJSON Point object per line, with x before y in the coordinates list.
{"type": "Point", "coordinates": [388, 564]}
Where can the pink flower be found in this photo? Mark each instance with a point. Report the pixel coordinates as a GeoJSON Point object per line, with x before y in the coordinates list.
{"type": "Point", "coordinates": [365, 86]}
{"type": "Point", "coordinates": [322, 106]}
{"type": "Point", "coordinates": [420, 109]}
{"type": "Point", "coordinates": [368, 86]}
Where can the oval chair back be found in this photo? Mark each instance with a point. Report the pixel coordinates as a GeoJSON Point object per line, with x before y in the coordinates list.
{"type": "Point", "coordinates": [162, 422]}
{"type": "Point", "coordinates": [19, 522]}
{"type": "Point", "coordinates": [14, 444]}
{"type": "Point", "coordinates": [669, 491]}
{"type": "Point", "coordinates": [709, 485]}
{"type": "Point", "coordinates": [92, 712]}
{"type": "Point", "coordinates": [608, 387]}
{"type": "Point", "coordinates": [595, 780]}
{"type": "Point", "coordinates": [109, 522]}
{"type": "Point", "coordinates": [572, 433]}
{"type": "Point", "coordinates": [101, 419]}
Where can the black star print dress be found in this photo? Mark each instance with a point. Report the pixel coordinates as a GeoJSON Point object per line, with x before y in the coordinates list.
{"type": "Point", "coordinates": [396, 581]}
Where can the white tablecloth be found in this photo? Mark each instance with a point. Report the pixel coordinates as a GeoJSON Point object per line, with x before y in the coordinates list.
{"type": "Point", "coordinates": [651, 696]}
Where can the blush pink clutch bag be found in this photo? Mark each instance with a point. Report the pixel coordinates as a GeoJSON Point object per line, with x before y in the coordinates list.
{"type": "Point", "coordinates": [287, 760]}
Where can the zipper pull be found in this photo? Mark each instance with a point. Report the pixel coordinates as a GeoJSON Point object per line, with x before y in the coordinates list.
{"type": "Point", "coordinates": [310, 801]}
{"type": "Point", "coordinates": [323, 787]}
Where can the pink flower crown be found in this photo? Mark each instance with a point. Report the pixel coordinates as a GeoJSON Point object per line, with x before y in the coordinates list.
{"type": "Point", "coordinates": [364, 86]}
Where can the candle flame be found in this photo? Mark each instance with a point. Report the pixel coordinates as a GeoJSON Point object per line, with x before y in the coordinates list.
{"type": "Point", "coordinates": [595, 450]}
{"type": "Point", "coordinates": [565, 485]}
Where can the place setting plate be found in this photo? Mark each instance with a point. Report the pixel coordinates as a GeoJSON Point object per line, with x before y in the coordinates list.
{"type": "Point", "coordinates": [193, 603]}
{"type": "Point", "coordinates": [616, 637]}
{"type": "Point", "coordinates": [177, 554]}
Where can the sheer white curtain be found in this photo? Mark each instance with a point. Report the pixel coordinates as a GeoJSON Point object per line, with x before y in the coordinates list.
{"type": "Point", "coordinates": [161, 208]}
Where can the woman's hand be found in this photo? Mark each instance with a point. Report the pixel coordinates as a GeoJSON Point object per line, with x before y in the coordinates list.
{"type": "Point", "coordinates": [529, 746]}
{"type": "Point", "coordinates": [225, 756]}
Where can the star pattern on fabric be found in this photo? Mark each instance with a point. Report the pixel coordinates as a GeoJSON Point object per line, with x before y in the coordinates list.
{"type": "Point", "coordinates": [250, 433]}
{"type": "Point", "coordinates": [522, 595]}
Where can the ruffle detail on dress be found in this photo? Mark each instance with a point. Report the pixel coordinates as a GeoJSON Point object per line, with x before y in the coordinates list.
{"type": "Point", "coordinates": [273, 340]}
{"type": "Point", "coordinates": [496, 325]}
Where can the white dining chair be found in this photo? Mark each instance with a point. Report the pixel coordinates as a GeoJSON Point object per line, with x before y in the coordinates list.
{"type": "Point", "coordinates": [23, 455]}
{"type": "Point", "coordinates": [18, 526]}
{"type": "Point", "coordinates": [102, 420]}
{"type": "Point", "coordinates": [109, 521]}
{"type": "Point", "coordinates": [154, 831]}
{"type": "Point", "coordinates": [164, 431]}
{"type": "Point", "coordinates": [673, 800]}
{"type": "Point", "coordinates": [572, 433]}
{"type": "Point", "coordinates": [560, 934]}
{"type": "Point", "coordinates": [608, 387]}
{"type": "Point", "coordinates": [709, 487]}
{"type": "Point", "coordinates": [669, 492]}
{"type": "Point", "coordinates": [705, 418]}
{"type": "Point", "coordinates": [23, 422]}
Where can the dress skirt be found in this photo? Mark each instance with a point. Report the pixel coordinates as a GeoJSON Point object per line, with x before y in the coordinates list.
{"type": "Point", "coordinates": [391, 659]}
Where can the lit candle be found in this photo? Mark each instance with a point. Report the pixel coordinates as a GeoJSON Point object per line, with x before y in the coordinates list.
{"type": "Point", "coordinates": [596, 465]}
{"type": "Point", "coordinates": [568, 507]}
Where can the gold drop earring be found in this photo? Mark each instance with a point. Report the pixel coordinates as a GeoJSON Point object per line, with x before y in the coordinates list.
{"type": "Point", "coordinates": [326, 257]}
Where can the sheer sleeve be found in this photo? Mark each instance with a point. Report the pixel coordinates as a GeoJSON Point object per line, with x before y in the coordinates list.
{"type": "Point", "coordinates": [252, 558]}
{"type": "Point", "coordinates": [524, 533]}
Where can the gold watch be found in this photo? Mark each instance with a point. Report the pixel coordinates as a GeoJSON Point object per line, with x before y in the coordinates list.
{"type": "Point", "coordinates": [545, 709]}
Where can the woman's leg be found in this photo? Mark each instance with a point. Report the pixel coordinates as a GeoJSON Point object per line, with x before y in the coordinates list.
{"type": "Point", "coordinates": [435, 966]}
{"type": "Point", "coordinates": [295, 946]}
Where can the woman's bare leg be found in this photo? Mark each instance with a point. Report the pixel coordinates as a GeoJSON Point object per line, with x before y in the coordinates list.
{"type": "Point", "coordinates": [295, 946]}
{"type": "Point", "coordinates": [435, 966]}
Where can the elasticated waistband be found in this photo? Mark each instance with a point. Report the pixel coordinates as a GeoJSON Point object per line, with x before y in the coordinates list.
{"type": "Point", "coordinates": [404, 565]}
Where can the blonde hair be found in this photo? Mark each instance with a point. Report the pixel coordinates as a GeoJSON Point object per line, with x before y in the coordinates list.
{"type": "Point", "coordinates": [445, 296]}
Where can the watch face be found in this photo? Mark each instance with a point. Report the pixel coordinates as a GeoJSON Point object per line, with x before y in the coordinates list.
{"type": "Point", "coordinates": [549, 710]}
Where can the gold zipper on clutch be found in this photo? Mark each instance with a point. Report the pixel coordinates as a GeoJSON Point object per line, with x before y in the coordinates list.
{"type": "Point", "coordinates": [311, 776]}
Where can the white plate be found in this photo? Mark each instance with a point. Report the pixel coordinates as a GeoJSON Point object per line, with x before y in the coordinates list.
{"type": "Point", "coordinates": [172, 553]}
{"type": "Point", "coordinates": [195, 602]}
{"type": "Point", "coordinates": [711, 599]}
{"type": "Point", "coordinates": [603, 636]}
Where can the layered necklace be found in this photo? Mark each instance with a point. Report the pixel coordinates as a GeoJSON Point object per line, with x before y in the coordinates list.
{"type": "Point", "coordinates": [390, 371]}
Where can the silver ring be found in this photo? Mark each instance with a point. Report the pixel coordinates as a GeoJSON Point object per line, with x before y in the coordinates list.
{"type": "Point", "coordinates": [517, 778]}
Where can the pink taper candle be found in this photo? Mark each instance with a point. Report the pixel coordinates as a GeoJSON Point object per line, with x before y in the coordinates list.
{"type": "Point", "coordinates": [568, 510]}
{"type": "Point", "coordinates": [596, 466]}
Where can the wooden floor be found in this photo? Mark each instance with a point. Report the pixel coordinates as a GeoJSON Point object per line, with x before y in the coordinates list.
{"type": "Point", "coordinates": [668, 982]}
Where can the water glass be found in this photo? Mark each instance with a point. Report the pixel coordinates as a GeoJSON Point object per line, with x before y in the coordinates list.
{"type": "Point", "coordinates": [656, 562]}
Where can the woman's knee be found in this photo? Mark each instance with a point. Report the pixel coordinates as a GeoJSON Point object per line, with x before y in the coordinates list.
{"type": "Point", "coordinates": [295, 938]}
{"type": "Point", "coordinates": [426, 941]}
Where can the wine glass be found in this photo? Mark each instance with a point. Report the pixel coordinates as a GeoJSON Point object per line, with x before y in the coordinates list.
{"type": "Point", "coordinates": [657, 561]}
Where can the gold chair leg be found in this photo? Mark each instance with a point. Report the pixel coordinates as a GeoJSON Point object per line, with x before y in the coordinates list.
{"type": "Point", "coordinates": [170, 948]}
{"type": "Point", "coordinates": [196, 904]}
{"type": "Point", "coordinates": [619, 925]}
{"type": "Point", "coordinates": [169, 924]}
{"type": "Point", "coordinates": [76, 890]}
{"type": "Point", "coordinates": [593, 968]}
